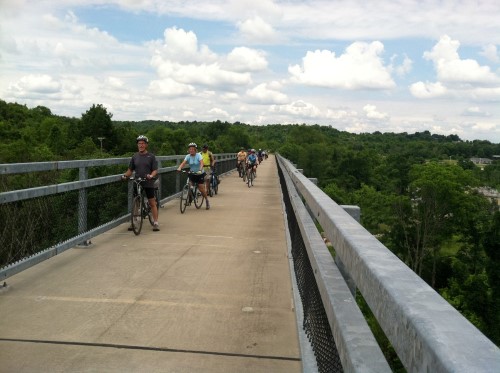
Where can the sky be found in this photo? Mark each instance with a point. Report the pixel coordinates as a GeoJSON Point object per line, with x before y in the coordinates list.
{"type": "Point", "coordinates": [358, 66]}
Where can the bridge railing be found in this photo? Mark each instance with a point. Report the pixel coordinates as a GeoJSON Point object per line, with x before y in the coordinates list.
{"type": "Point", "coordinates": [427, 333]}
{"type": "Point", "coordinates": [40, 222]}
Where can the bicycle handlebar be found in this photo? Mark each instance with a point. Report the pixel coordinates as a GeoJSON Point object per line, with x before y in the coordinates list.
{"type": "Point", "coordinates": [139, 179]}
{"type": "Point", "coordinates": [190, 172]}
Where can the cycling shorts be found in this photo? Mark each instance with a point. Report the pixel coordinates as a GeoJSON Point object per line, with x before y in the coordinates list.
{"type": "Point", "coordinates": [197, 178]}
{"type": "Point", "coordinates": [150, 192]}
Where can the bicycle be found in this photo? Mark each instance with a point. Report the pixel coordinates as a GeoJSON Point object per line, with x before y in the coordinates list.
{"type": "Point", "coordinates": [190, 193]}
{"type": "Point", "coordinates": [141, 209]}
{"type": "Point", "coordinates": [250, 175]}
{"type": "Point", "coordinates": [213, 184]}
{"type": "Point", "coordinates": [241, 170]}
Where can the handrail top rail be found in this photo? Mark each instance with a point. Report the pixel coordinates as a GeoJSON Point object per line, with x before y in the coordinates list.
{"type": "Point", "coordinates": [17, 168]}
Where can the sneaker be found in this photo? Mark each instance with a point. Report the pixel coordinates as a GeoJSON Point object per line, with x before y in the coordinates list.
{"type": "Point", "coordinates": [208, 205]}
{"type": "Point", "coordinates": [156, 227]}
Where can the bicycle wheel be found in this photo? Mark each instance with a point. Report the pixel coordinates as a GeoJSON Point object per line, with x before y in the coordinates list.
{"type": "Point", "coordinates": [198, 198]}
{"type": "Point", "coordinates": [245, 176]}
{"type": "Point", "coordinates": [136, 215]}
{"type": "Point", "coordinates": [184, 198]}
{"type": "Point", "coordinates": [215, 184]}
{"type": "Point", "coordinates": [250, 179]}
{"type": "Point", "coordinates": [210, 190]}
{"type": "Point", "coordinates": [148, 211]}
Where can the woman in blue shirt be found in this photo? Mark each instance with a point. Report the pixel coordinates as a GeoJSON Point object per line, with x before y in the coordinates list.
{"type": "Point", "coordinates": [197, 175]}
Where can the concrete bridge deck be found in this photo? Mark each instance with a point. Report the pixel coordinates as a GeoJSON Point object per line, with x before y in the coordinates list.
{"type": "Point", "coordinates": [210, 292]}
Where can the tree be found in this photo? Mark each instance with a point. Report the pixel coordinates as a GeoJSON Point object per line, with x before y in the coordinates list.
{"type": "Point", "coordinates": [427, 215]}
{"type": "Point", "coordinates": [96, 122]}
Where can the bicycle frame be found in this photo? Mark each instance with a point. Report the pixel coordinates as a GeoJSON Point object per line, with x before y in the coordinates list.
{"type": "Point", "coordinates": [140, 206]}
{"type": "Point", "coordinates": [213, 186]}
{"type": "Point", "coordinates": [190, 194]}
{"type": "Point", "coordinates": [250, 175]}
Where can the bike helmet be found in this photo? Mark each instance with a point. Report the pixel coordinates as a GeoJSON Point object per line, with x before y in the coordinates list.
{"type": "Point", "coordinates": [142, 138]}
{"type": "Point", "coordinates": [205, 146]}
{"type": "Point", "coordinates": [192, 144]}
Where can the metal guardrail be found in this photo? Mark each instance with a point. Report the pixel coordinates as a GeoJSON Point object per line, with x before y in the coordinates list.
{"type": "Point", "coordinates": [428, 334]}
{"type": "Point", "coordinates": [225, 163]}
{"type": "Point", "coordinates": [339, 334]}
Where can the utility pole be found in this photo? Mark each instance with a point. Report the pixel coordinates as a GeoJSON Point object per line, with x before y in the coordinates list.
{"type": "Point", "coordinates": [100, 139]}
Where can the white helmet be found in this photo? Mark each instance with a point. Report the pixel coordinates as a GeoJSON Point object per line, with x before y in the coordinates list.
{"type": "Point", "coordinates": [142, 138]}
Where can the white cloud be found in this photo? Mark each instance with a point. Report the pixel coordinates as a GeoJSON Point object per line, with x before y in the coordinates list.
{"type": "Point", "coordinates": [181, 60]}
{"type": "Point", "coordinates": [246, 59]}
{"type": "Point", "coordinates": [457, 78]}
{"type": "Point", "coordinates": [486, 127]}
{"type": "Point", "coordinates": [170, 88]}
{"type": "Point", "coordinates": [491, 53]}
{"type": "Point", "coordinates": [35, 84]}
{"type": "Point", "coordinates": [404, 68]}
{"type": "Point", "coordinates": [341, 114]}
{"type": "Point", "coordinates": [372, 113]}
{"type": "Point", "coordinates": [360, 67]}
{"type": "Point", "coordinates": [114, 82]}
{"type": "Point", "coordinates": [182, 46]}
{"type": "Point", "coordinates": [297, 109]}
{"type": "Point", "coordinates": [428, 90]}
{"type": "Point", "coordinates": [218, 112]}
{"type": "Point", "coordinates": [451, 69]}
{"type": "Point", "coordinates": [267, 93]}
{"type": "Point", "coordinates": [475, 111]}
{"type": "Point", "coordinates": [256, 30]}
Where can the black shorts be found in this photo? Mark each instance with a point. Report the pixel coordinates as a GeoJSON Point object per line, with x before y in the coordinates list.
{"type": "Point", "coordinates": [197, 178]}
{"type": "Point", "coordinates": [150, 192]}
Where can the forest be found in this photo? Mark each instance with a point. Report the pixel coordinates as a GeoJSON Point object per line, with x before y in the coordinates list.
{"type": "Point", "coordinates": [420, 194]}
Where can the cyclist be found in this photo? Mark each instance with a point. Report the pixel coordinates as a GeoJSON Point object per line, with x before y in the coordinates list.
{"type": "Point", "coordinates": [242, 156]}
{"type": "Point", "coordinates": [208, 164]}
{"type": "Point", "coordinates": [259, 156]}
{"type": "Point", "coordinates": [252, 161]}
{"type": "Point", "coordinates": [145, 166]}
{"type": "Point", "coordinates": [197, 175]}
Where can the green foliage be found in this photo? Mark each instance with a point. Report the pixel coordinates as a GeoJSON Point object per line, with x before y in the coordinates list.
{"type": "Point", "coordinates": [380, 337]}
{"type": "Point", "coordinates": [96, 122]}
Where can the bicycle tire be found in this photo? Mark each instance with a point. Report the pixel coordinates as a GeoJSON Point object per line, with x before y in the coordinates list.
{"type": "Point", "coordinates": [136, 215]}
{"type": "Point", "coordinates": [210, 191]}
{"type": "Point", "coordinates": [244, 176]}
{"type": "Point", "coordinates": [184, 198]}
{"type": "Point", "coordinates": [149, 211]}
{"type": "Point", "coordinates": [250, 179]}
{"type": "Point", "coordinates": [198, 198]}
{"type": "Point", "coordinates": [215, 185]}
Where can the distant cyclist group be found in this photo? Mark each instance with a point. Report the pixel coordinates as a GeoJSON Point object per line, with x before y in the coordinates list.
{"type": "Point", "coordinates": [202, 178]}
{"type": "Point", "coordinates": [247, 162]}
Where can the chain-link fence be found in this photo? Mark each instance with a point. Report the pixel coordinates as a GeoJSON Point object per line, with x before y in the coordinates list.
{"type": "Point", "coordinates": [315, 323]}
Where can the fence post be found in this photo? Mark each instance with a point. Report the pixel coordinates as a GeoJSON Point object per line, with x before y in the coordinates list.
{"type": "Point", "coordinates": [82, 205]}
{"type": "Point", "coordinates": [177, 176]}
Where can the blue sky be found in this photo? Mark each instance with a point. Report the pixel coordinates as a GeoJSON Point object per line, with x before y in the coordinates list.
{"type": "Point", "coordinates": [388, 66]}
